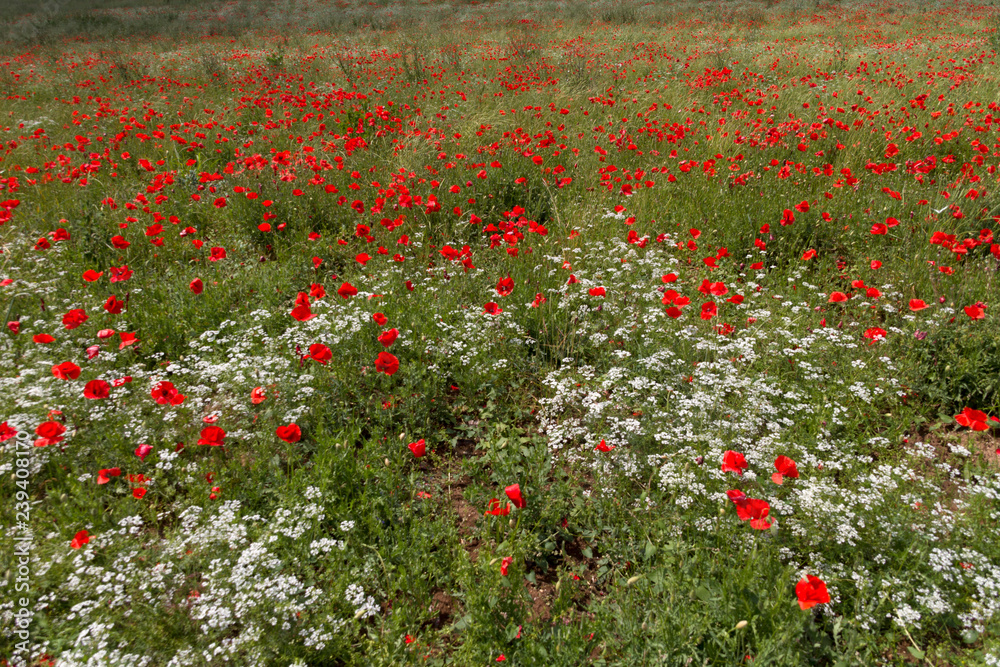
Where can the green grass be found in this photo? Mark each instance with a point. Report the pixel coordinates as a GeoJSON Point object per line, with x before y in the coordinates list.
{"type": "Point", "coordinates": [342, 547]}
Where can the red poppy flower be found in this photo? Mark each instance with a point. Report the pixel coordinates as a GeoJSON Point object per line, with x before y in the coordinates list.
{"type": "Point", "coordinates": [142, 451]}
{"type": "Point", "coordinates": [786, 468]}
{"type": "Point", "coordinates": [320, 353]}
{"type": "Point", "coordinates": [709, 310]}
{"type": "Point", "coordinates": [838, 297]}
{"type": "Point", "coordinates": [290, 433]}
{"type": "Point", "coordinates": [42, 339]}
{"type": "Point", "coordinates": [127, 339]}
{"type": "Point", "coordinates": [113, 305]}
{"type": "Point", "coordinates": [597, 291]}
{"type": "Point", "coordinates": [733, 462]}
{"type": "Point", "coordinates": [197, 286]}
{"type": "Point", "coordinates": [362, 258]}
{"type": "Point", "coordinates": [879, 229]}
{"type": "Point", "coordinates": [496, 510]}
{"type": "Point", "coordinates": [975, 312]}
{"type": "Point", "coordinates": [302, 310]}
{"type": "Point", "coordinates": [514, 493]}
{"type": "Point", "coordinates": [138, 493]}
{"type": "Point", "coordinates": [873, 334]}
{"type": "Point", "coordinates": [539, 300]}
{"type": "Point", "coordinates": [808, 254]}
{"type": "Point", "coordinates": [74, 318]}
{"type": "Point", "coordinates": [211, 435]}
{"type": "Point", "coordinates": [6, 432]}
{"type": "Point", "coordinates": [257, 396]}
{"type": "Point", "coordinates": [119, 242]}
{"type": "Point", "coordinates": [96, 390]}
{"type": "Point", "coordinates": [715, 289]}
{"type": "Point", "coordinates": [347, 290]}
{"type": "Point", "coordinates": [505, 286]}
{"type": "Point", "coordinates": [753, 510]}
{"type": "Point", "coordinates": [80, 539]}
{"type": "Point", "coordinates": [492, 308]}
{"type": "Point", "coordinates": [121, 273]}
{"type": "Point", "coordinates": [917, 304]}
{"type": "Point", "coordinates": [387, 338]}
{"type": "Point", "coordinates": [504, 564]}
{"type": "Point", "coordinates": [49, 433]}
{"type": "Point", "coordinates": [15, 327]}
{"type": "Point", "coordinates": [418, 448]}
{"type": "Point", "coordinates": [67, 370]}
{"type": "Point", "coordinates": [386, 363]}
{"type": "Point", "coordinates": [974, 419]}
{"type": "Point", "coordinates": [104, 475]}
{"type": "Point", "coordinates": [91, 276]}
{"type": "Point", "coordinates": [603, 447]}
{"type": "Point", "coordinates": [670, 278]}
{"type": "Point", "coordinates": [217, 254]}
{"type": "Point", "coordinates": [380, 319]}
{"type": "Point", "coordinates": [811, 591]}
{"type": "Point", "coordinates": [317, 291]}
{"type": "Point", "coordinates": [165, 393]}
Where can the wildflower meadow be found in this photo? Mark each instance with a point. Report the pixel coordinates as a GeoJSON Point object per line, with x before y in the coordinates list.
{"type": "Point", "coordinates": [463, 332]}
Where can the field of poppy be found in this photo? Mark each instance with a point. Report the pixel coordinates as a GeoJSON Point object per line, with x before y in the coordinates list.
{"type": "Point", "coordinates": [461, 333]}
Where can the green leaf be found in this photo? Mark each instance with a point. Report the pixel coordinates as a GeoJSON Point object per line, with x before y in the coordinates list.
{"type": "Point", "coordinates": [915, 652]}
